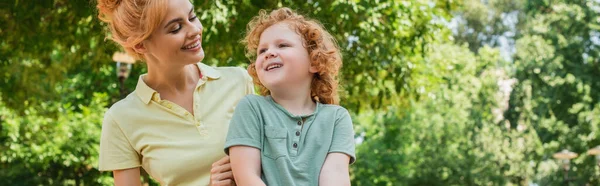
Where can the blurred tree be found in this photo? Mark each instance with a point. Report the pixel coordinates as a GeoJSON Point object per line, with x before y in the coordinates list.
{"type": "Point", "coordinates": [554, 45]}
{"type": "Point", "coordinates": [557, 94]}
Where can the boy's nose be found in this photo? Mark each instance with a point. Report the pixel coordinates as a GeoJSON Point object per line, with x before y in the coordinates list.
{"type": "Point", "coordinates": [270, 54]}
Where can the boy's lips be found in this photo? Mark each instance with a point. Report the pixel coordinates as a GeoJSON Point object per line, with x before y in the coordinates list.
{"type": "Point", "coordinates": [273, 65]}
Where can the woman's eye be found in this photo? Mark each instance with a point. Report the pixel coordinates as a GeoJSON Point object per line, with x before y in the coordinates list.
{"type": "Point", "coordinates": [193, 17]}
{"type": "Point", "coordinates": [174, 31]}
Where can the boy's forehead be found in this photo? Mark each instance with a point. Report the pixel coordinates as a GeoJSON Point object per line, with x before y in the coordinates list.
{"type": "Point", "coordinates": [279, 27]}
{"type": "Point", "coordinates": [281, 30]}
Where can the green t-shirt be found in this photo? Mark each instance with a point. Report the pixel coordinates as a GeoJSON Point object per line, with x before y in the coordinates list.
{"type": "Point", "coordinates": [292, 150]}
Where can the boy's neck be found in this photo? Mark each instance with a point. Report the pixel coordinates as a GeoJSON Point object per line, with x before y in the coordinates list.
{"type": "Point", "coordinates": [296, 103]}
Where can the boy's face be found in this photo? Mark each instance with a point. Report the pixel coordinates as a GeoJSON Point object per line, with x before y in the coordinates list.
{"type": "Point", "coordinates": [282, 60]}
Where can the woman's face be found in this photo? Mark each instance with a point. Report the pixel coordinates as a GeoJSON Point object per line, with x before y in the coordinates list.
{"type": "Point", "coordinates": [178, 38]}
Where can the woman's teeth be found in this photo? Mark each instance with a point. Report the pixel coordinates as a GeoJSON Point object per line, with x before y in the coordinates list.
{"type": "Point", "coordinates": [194, 45]}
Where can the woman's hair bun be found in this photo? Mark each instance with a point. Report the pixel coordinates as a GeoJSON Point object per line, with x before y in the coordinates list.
{"type": "Point", "coordinates": [106, 8]}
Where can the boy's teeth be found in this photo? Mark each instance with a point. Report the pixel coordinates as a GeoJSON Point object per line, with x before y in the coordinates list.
{"type": "Point", "coordinates": [271, 67]}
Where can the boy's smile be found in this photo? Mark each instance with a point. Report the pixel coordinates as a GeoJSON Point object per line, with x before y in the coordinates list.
{"type": "Point", "coordinates": [274, 64]}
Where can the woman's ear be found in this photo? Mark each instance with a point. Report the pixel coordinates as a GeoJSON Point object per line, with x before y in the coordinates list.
{"type": "Point", "coordinates": [140, 48]}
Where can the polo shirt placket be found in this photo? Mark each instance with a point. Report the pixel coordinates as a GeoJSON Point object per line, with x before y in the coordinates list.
{"type": "Point", "coordinates": [202, 129]}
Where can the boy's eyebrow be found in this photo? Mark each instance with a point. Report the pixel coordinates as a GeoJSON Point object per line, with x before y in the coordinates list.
{"type": "Point", "coordinates": [177, 19]}
{"type": "Point", "coordinates": [279, 40]}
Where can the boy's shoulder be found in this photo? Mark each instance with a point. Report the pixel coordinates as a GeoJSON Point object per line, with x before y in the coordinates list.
{"type": "Point", "coordinates": [334, 110]}
{"type": "Point", "coordinates": [254, 100]}
{"type": "Point", "coordinates": [333, 107]}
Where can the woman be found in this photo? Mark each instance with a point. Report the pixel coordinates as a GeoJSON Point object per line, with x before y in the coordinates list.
{"type": "Point", "coordinates": [174, 124]}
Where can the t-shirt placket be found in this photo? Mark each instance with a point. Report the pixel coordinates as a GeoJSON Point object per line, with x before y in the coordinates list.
{"type": "Point", "coordinates": [296, 136]}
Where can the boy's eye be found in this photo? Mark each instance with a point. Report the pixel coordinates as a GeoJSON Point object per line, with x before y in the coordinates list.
{"type": "Point", "coordinates": [262, 51]}
{"type": "Point", "coordinates": [283, 45]}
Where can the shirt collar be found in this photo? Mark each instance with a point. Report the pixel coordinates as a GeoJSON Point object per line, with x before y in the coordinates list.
{"type": "Point", "coordinates": [145, 92]}
{"type": "Point", "coordinates": [272, 101]}
{"type": "Point", "coordinates": [208, 71]}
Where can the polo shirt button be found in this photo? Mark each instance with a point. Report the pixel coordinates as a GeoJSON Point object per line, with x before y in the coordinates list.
{"type": "Point", "coordinates": [297, 133]}
{"type": "Point", "coordinates": [295, 145]}
{"type": "Point", "coordinates": [299, 122]}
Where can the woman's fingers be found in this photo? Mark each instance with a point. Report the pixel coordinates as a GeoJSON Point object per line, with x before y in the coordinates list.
{"type": "Point", "coordinates": [222, 176]}
{"type": "Point", "coordinates": [224, 160]}
{"type": "Point", "coordinates": [223, 183]}
{"type": "Point", "coordinates": [220, 173]}
{"type": "Point", "coordinates": [220, 166]}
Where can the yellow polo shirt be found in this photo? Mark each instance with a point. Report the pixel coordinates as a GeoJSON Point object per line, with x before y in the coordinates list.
{"type": "Point", "coordinates": [172, 145]}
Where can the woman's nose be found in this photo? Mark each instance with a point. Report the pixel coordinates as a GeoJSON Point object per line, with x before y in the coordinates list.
{"type": "Point", "coordinates": [196, 30]}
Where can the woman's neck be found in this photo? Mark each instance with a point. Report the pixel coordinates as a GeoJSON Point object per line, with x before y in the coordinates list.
{"type": "Point", "coordinates": [172, 79]}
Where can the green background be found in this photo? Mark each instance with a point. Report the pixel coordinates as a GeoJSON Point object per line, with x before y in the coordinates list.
{"type": "Point", "coordinates": [450, 92]}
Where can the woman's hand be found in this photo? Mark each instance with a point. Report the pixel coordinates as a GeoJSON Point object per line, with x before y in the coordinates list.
{"type": "Point", "coordinates": [220, 173]}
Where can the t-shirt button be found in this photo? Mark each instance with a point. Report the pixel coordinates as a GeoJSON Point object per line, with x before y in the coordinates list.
{"type": "Point", "coordinates": [297, 133]}
{"type": "Point", "coordinates": [295, 145]}
{"type": "Point", "coordinates": [299, 122]}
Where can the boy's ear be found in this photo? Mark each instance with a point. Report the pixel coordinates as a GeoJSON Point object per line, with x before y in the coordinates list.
{"type": "Point", "coordinates": [313, 69]}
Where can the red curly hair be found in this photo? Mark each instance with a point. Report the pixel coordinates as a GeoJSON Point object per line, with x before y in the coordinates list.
{"type": "Point", "coordinates": [322, 48]}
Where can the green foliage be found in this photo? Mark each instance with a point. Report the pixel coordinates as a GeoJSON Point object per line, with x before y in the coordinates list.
{"type": "Point", "coordinates": [53, 144]}
{"type": "Point", "coordinates": [449, 137]}
{"type": "Point", "coordinates": [556, 68]}
{"type": "Point", "coordinates": [432, 105]}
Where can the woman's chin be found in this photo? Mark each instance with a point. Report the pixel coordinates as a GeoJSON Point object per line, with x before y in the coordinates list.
{"type": "Point", "coordinates": [199, 56]}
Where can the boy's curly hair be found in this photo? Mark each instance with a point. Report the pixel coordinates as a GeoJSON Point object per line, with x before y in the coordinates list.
{"type": "Point", "coordinates": [321, 46]}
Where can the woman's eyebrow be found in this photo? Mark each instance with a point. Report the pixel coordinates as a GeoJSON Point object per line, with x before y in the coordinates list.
{"type": "Point", "coordinates": [178, 19]}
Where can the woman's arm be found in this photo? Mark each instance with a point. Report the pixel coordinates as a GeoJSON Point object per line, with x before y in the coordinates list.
{"type": "Point", "coordinates": [245, 164]}
{"type": "Point", "coordinates": [127, 177]}
{"type": "Point", "coordinates": [335, 170]}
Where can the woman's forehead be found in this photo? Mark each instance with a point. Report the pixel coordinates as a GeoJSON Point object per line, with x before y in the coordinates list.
{"type": "Point", "coordinates": [177, 9]}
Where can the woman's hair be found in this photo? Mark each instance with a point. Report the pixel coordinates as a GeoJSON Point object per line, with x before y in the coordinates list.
{"type": "Point", "coordinates": [131, 21]}
{"type": "Point", "coordinates": [322, 48]}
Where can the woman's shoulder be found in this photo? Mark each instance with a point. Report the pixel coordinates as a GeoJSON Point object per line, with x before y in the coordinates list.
{"type": "Point", "coordinates": [124, 107]}
{"type": "Point", "coordinates": [229, 71]}
{"type": "Point", "coordinates": [229, 74]}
